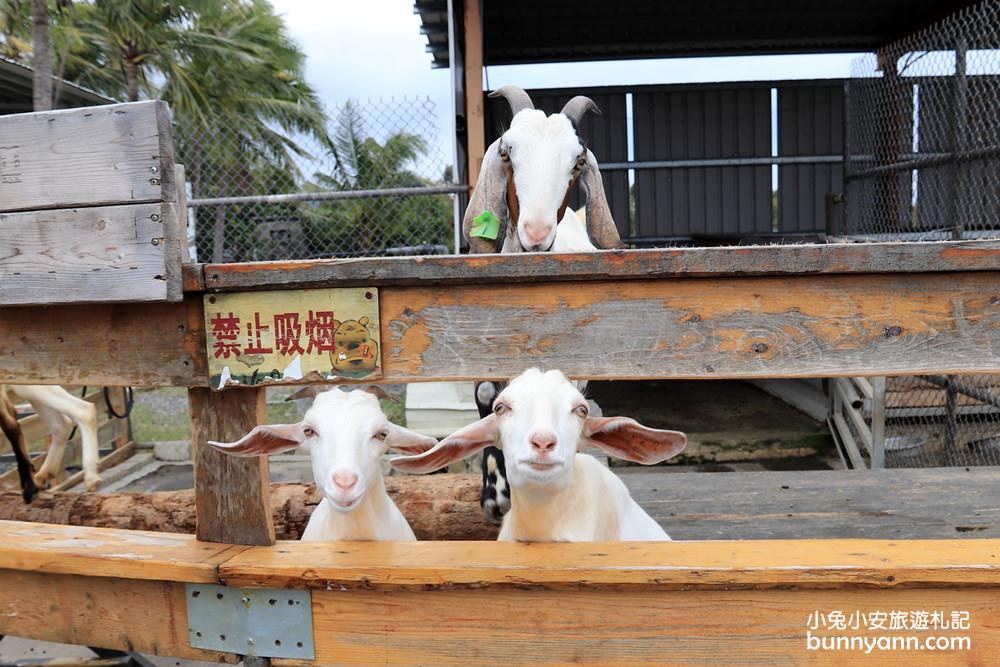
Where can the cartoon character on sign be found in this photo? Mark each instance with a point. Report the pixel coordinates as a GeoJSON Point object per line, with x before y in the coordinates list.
{"type": "Point", "coordinates": [355, 353]}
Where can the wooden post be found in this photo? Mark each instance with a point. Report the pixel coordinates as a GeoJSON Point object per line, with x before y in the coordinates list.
{"type": "Point", "coordinates": [232, 496]}
{"type": "Point", "coordinates": [474, 114]}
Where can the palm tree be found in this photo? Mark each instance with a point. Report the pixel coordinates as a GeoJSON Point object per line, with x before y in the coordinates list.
{"type": "Point", "coordinates": [41, 56]}
{"type": "Point", "coordinates": [362, 163]}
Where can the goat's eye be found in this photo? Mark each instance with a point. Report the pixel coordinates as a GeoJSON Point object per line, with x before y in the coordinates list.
{"type": "Point", "coordinates": [580, 162]}
{"type": "Point", "coordinates": [504, 153]}
{"type": "Point", "coordinates": [581, 410]}
{"type": "Point", "coordinates": [500, 408]}
{"type": "Point", "coordinates": [381, 435]}
{"type": "Point", "coordinates": [308, 431]}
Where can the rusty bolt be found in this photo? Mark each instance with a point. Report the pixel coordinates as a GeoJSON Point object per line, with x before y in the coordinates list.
{"type": "Point", "coordinates": [891, 332]}
{"type": "Point", "coordinates": [695, 318]}
{"type": "Point", "coordinates": [369, 295]}
{"type": "Point", "coordinates": [154, 181]}
{"type": "Point", "coordinates": [759, 348]}
{"type": "Point", "coordinates": [211, 299]}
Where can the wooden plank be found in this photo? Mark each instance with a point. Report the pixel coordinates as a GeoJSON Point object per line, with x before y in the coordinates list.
{"type": "Point", "coordinates": [114, 458]}
{"type": "Point", "coordinates": [144, 345]}
{"type": "Point", "coordinates": [88, 255]}
{"type": "Point", "coordinates": [104, 552]}
{"type": "Point", "coordinates": [738, 328]}
{"type": "Point", "coordinates": [904, 504]}
{"type": "Point", "coordinates": [869, 258]}
{"type": "Point", "coordinates": [475, 118]}
{"type": "Point", "coordinates": [106, 155]}
{"type": "Point", "coordinates": [542, 627]}
{"type": "Point", "coordinates": [744, 327]}
{"type": "Point", "coordinates": [662, 565]}
{"type": "Point", "coordinates": [148, 617]}
{"type": "Point", "coordinates": [232, 495]}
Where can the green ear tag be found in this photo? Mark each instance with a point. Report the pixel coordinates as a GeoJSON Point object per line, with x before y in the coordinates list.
{"type": "Point", "coordinates": [486, 226]}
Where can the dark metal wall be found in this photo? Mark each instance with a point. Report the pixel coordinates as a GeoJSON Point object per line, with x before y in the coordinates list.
{"type": "Point", "coordinates": [702, 156]}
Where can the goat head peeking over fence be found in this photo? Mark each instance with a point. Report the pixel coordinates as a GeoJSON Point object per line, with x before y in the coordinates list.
{"type": "Point", "coordinates": [528, 174]}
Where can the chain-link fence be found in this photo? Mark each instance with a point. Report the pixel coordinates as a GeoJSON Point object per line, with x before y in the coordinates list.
{"type": "Point", "coordinates": [924, 133]}
{"type": "Point", "coordinates": [378, 183]}
{"type": "Point", "coordinates": [923, 163]}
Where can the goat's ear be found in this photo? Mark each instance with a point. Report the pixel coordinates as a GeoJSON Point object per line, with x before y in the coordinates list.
{"type": "Point", "coordinates": [264, 440]}
{"type": "Point", "coordinates": [459, 445]}
{"type": "Point", "coordinates": [411, 442]}
{"type": "Point", "coordinates": [600, 224]}
{"type": "Point", "coordinates": [490, 194]}
{"type": "Point", "coordinates": [629, 440]}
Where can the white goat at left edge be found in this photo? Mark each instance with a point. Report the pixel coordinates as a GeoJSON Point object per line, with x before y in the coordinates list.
{"type": "Point", "coordinates": [346, 434]}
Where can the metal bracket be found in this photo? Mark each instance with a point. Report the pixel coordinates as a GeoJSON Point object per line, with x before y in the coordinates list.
{"type": "Point", "coordinates": [265, 622]}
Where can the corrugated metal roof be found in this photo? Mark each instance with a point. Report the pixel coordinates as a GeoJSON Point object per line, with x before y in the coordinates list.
{"type": "Point", "coordinates": [16, 87]}
{"type": "Point", "coordinates": [535, 31]}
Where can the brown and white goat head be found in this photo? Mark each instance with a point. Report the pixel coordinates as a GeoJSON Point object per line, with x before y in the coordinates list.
{"type": "Point", "coordinates": [528, 174]}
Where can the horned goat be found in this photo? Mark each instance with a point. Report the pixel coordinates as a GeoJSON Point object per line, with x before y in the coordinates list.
{"type": "Point", "coordinates": [346, 434]}
{"type": "Point", "coordinates": [540, 421]}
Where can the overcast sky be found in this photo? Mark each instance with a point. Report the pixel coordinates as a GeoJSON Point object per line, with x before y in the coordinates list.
{"type": "Point", "coordinates": [374, 49]}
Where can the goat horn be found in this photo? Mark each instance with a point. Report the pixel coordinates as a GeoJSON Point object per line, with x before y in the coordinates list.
{"type": "Point", "coordinates": [516, 98]}
{"type": "Point", "coordinates": [577, 107]}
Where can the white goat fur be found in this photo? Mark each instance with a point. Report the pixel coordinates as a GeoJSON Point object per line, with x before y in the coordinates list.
{"type": "Point", "coordinates": [571, 235]}
{"type": "Point", "coordinates": [346, 434]}
{"type": "Point", "coordinates": [543, 150]}
{"type": "Point", "coordinates": [60, 410]}
{"type": "Point", "coordinates": [540, 420]}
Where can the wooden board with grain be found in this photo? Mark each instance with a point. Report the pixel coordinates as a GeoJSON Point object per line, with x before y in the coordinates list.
{"type": "Point", "coordinates": [104, 254]}
{"type": "Point", "coordinates": [145, 616]}
{"type": "Point", "coordinates": [604, 265]}
{"type": "Point", "coordinates": [100, 552]}
{"type": "Point", "coordinates": [232, 494]}
{"type": "Point", "coordinates": [751, 327]}
{"type": "Point", "coordinates": [94, 156]}
{"type": "Point", "coordinates": [142, 345]}
{"type": "Point", "coordinates": [620, 565]}
{"type": "Point", "coordinates": [629, 628]}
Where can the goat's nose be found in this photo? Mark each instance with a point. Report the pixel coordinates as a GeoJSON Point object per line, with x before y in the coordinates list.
{"type": "Point", "coordinates": [536, 232]}
{"type": "Point", "coordinates": [345, 481]}
{"type": "Point", "coordinates": [543, 442]}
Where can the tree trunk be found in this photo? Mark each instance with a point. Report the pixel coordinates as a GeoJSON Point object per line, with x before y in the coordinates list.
{"type": "Point", "coordinates": [438, 507]}
{"type": "Point", "coordinates": [132, 79]}
{"type": "Point", "coordinates": [41, 59]}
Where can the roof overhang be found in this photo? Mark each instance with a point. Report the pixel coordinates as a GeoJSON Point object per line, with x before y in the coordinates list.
{"type": "Point", "coordinates": [16, 89]}
{"type": "Point", "coordinates": [534, 31]}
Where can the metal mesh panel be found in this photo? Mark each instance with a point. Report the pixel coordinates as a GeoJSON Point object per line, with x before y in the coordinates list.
{"type": "Point", "coordinates": [924, 133]}
{"type": "Point", "coordinates": [395, 144]}
{"type": "Point", "coordinates": [942, 421]}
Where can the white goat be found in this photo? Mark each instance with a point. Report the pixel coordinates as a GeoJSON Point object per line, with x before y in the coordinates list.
{"type": "Point", "coordinates": [346, 434]}
{"type": "Point", "coordinates": [60, 410]}
{"type": "Point", "coordinates": [557, 494]}
{"type": "Point", "coordinates": [528, 174]}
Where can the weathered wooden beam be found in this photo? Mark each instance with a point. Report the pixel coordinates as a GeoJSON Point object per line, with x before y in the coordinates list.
{"type": "Point", "coordinates": [103, 254]}
{"type": "Point", "coordinates": [741, 327]}
{"type": "Point", "coordinates": [438, 507]}
{"type": "Point", "coordinates": [95, 156]}
{"type": "Point", "coordinates": [232, 494]}
{"type": "Point", "coordinates": [879, 258]}
{"type": "Point", "coordinates": [144, 345]}
{"type": "Point", "coordinates": [820, 326]}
